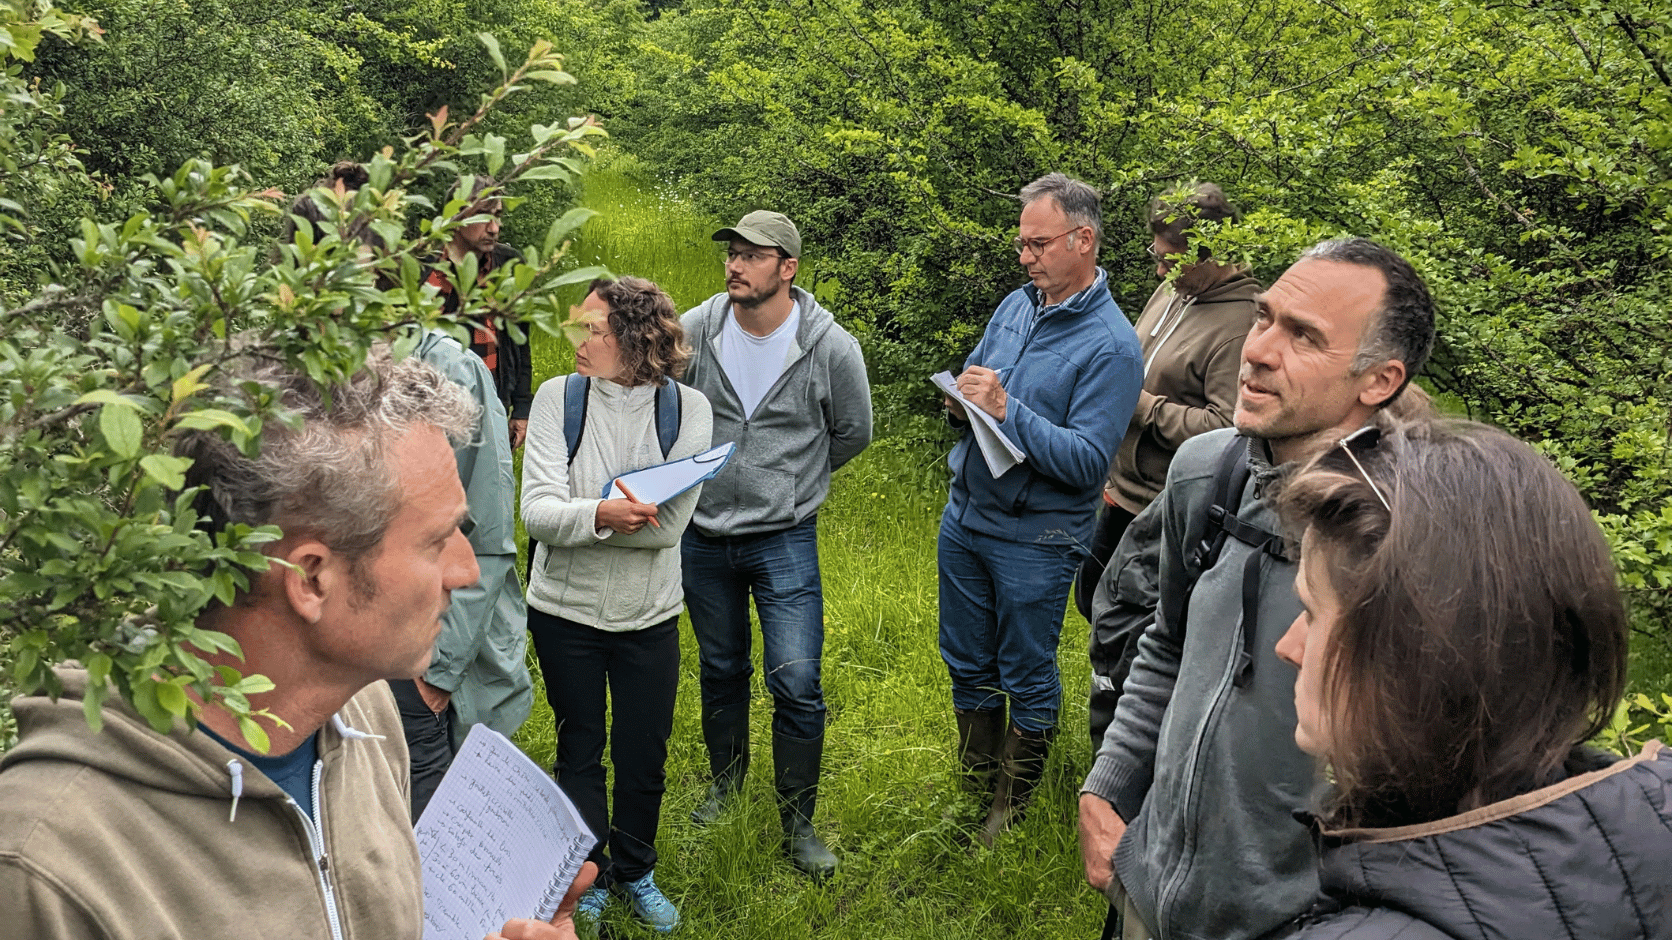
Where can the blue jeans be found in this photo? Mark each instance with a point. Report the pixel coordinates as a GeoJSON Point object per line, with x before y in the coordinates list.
{"type": "Point", "coordinates": [1001, 609]}
{"type": "Point", "coordinates": [781, 570]}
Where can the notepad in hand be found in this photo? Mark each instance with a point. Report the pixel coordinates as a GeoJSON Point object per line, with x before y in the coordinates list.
{"type": "Point", "coordinates": [1000, 452]}
{"type": "Point", "coordinates": [498, 840]}
{"type": "Point", "coordinates": [664, 481]}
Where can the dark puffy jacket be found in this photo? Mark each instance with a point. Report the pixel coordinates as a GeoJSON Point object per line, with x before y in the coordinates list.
{"type": "Point", "coordinates": [1586, 859]}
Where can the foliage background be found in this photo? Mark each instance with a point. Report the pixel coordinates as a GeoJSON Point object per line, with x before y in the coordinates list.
{"type": "Point", "coordinates": [1519, 152]}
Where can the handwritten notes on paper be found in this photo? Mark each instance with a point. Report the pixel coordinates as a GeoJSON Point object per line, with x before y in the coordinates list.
{"type": "Point", "coordinates": [498, 840]}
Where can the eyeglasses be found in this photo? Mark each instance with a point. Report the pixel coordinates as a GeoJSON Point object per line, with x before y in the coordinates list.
{"type": "Point", "coordinates": [1037, 246]}
{"type": "Point", "coordinates": [1364, 439]}
{"type": "Point", "coordinates": [594, 331]}
{"type": "Point", "coordinates": [752, 257]}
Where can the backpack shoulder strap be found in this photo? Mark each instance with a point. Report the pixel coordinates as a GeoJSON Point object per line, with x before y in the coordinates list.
{"type": "Point", "coordinates": [667, 415]}
{"type": "Point", "coordinates": [1229, 480]}
{"type": "Point", "coordinates": [576, 389]}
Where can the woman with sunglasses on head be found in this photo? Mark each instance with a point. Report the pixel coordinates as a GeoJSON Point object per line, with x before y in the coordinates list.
{"type": "Point", "coordinates": [1462, 637]}
{"type": "Point", "coordinates": [604, 589]}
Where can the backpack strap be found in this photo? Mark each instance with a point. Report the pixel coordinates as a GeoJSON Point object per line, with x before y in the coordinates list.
{"type": "Point", "coordinates": [576, 389]}
{"type": "Point", "coordinates": [1229, 480]}
{"type": "Point", "coordinates": [667, 415]}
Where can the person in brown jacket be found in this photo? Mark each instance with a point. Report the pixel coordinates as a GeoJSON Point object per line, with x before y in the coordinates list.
{"type": "Point", "coordinates": [129, 834]}
{"type": "Point", "coordinates": [1191, 332]}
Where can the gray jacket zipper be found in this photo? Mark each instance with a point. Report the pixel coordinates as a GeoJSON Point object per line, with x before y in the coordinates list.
{"type": "Point", "coordinates": [316, 842]}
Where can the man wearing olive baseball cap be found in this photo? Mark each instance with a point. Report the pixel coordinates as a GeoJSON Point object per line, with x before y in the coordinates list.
{"type": "Point", "coordinates": [788, 387]}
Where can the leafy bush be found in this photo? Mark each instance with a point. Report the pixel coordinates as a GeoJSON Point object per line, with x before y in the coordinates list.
{"type": "Point", "coordinates": [100, 558]}
{"type": "Point", "coordinates": [1516, 153]}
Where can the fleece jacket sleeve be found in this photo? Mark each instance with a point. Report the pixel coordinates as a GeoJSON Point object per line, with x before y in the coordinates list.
{"type": "Point", "coordinates": [34, 905]}
{"type": "Point", "coordinates": [1175, 422]}
{"type": "Point", "coordinates": [1125, 764]}
{"type": "Point", "coordinates": [1078, 452]}
{"type": "Point", "coordinates": [848, 407]}
{"type": "Point", "coordinates": [550, 513]}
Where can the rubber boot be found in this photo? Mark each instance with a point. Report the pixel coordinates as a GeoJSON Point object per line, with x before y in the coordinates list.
{"type": "Point", "coordinates": [1020, 769]}
{"type": "Point", "coordinates": [796, 763]}
{"type": "Point", "coordinates": [980, 747]}
{"type": "Point", "coordinates": [725, 729]}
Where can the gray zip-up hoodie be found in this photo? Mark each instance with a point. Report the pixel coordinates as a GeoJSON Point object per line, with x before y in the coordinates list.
{"type": "Point", "coordinates": [1207, 774]}
{"type": "Point", "coordinates": [815, 418]}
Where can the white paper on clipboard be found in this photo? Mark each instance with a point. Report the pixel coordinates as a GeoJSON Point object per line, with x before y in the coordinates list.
{"type": "Point", "coordinates": [664, 481]}
{"type": "Point", "coordinates": [1000, 452]}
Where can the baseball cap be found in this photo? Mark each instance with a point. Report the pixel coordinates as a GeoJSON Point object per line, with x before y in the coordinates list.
{"type": "Point", "coordinates": [761, 227]}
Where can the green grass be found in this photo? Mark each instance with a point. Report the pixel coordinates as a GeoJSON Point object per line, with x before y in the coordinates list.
{"type": "Point", "coordinates": [889, 803]}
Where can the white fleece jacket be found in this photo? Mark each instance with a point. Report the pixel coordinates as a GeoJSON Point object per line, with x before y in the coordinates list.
{"type": "Point", "coordinates": [616, 582]}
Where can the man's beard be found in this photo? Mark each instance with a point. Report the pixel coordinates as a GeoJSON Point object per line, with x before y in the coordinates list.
{"type": "Point", "coordinates": [754, 296]}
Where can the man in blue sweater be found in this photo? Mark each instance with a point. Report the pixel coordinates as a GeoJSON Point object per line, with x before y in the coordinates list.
{"type": "Point", "coordinates": [1059, 368]}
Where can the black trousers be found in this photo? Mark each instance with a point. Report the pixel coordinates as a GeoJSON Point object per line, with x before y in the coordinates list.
{"type": "Point", "coordinates": [636, 673]}
{"type": "Point", "coordinates": [429, 742]}
{"type": "Point", "coordinates": [1111, 525]}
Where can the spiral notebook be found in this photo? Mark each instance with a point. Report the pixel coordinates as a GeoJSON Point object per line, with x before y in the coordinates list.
{"type": "Point", "coordinates": [498, 840]}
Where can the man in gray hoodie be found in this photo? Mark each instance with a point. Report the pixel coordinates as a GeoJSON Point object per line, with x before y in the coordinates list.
{"type": "Point", "coordinates": [788, 386]}
{"type": "Point", "coordinates": [1186, 817]}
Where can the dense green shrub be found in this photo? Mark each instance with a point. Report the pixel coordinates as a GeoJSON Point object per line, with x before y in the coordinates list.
{"type": "Point", "coordinates": [100, 559]}
{"type": "Point", "coordinates": [1518, 153]}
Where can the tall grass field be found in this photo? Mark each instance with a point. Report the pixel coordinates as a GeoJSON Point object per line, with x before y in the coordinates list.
{"type": "Point", "coordinates": [890, 804]}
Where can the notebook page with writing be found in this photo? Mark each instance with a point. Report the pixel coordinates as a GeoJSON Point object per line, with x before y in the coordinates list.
{"type": "Point", "coordinates": [498, 840]}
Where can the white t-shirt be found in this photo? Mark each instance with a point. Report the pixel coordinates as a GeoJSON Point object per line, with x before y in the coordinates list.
{"type": "Point", "coordinates": [753, 363]}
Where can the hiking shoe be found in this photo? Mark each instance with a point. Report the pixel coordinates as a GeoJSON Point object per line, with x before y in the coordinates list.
{"type": "Point", "coordinates": [650, 904]}
{"type": "Point", "coordinates": [590, 909]}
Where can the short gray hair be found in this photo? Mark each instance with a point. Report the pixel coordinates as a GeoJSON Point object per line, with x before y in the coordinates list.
{"type": "Point", "coordinates": [1081, 203]}
{"type": "Point", "coordinates": [329, 475]}
{"type": "Point", "coordinates": [1403, 328]}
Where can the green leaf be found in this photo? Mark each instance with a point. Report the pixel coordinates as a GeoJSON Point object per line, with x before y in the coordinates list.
{"type": "Point", "coordinates": [207, 419]}
{"type": "Point", "coordinates": [91, 705]}
{"type": "Point", "coordinates": [23, 670]}
{"type": "Point", "coordinates": [255, 685]}
{"type": "Point", "coordinates": [254, 736]}
{"type": "Point", "coordinates": [578, 276]}
{"type": "Point", "coordinates": [166, 470]}
{"type": "Point", "coordinates": [105, 396]}
{"type": "Point", "coordinates": [98, 669]}
{"type": "Point", "coordinates": [189, 384]}
{"type": "Point", "coordinates": [548, 171]}
{"type": "Point", "coordinates": [172, 698]}
{"type": "Point", "coordinates": [121, 429]}
{"type": "Point", "coordinates": [565, 224]}
{"type": "Point", "coordinates": [493, 146]}
{"type": "Point", "coordinates": [492, 45]}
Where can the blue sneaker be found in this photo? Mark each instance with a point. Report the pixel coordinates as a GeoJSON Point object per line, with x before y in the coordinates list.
{"type": "Point", "coordinates": [590, 908]}
{"type": "Point", "coordinates": [650, 904]}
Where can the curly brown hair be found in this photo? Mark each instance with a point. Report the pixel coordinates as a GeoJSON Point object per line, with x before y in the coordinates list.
{"type": "Point", "coordinates": [646, 328]}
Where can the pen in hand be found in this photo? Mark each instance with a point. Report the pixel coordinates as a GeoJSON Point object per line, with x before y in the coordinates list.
{"type": "Point", "coordinates": [634, 499]}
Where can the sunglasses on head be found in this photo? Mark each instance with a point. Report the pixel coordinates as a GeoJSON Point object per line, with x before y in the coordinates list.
{"type": "Point", "coordinates": [1364, 439]}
